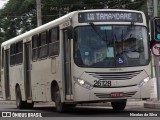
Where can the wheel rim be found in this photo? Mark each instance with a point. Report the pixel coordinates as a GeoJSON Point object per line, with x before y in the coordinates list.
{"type": "Point", "coordinates": [58, 99]}
{"type": "Point", "coordinates": [18, 98]}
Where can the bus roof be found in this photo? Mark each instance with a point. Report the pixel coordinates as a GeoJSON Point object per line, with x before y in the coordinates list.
{"type": "Point", "coordinates": [55, 22]}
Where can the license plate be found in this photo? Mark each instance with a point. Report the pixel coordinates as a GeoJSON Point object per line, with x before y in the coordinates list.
{"type": "Point", "coordinates": [117, 94]}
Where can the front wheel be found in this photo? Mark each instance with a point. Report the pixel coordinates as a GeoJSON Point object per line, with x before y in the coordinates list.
{"type": "Point", "coordinates": [119, 105]}
{"type": "Point", "coordinates": [60, 107]}
{"type": "Point", "coordinates": [29, 105]}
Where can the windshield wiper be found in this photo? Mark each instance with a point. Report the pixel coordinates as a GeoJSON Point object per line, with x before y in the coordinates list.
{"type": "Point", "coordinates": [95, 29]}
{"type": "Point", "coordinates": [99, 35]}
{"type": "Point", "coordinates": [122, 39]}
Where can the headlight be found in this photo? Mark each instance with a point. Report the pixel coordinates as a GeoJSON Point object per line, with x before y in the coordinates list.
{"type": "Point", "coordinates": [146, 80]}
{"type": "Point", "coordinates": [83, 83]}
{"type": "Point", "coordinates": [143, 82]}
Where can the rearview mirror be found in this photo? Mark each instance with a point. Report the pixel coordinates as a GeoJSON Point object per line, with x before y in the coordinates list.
{"type": "Point", "coordinates": [70, 32]}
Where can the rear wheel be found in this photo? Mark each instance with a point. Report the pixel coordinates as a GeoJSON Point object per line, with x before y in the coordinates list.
{"type": "Point", "coordinates": [22, 104]}
{"type": "Point", "coordinates": [19, 103]}
{"type": "Point", "coordinates": [119, 105]}
{"type": "Point", "coordinates": [29, 105]}
{"type": "Point", "coordinates": [60, 107]}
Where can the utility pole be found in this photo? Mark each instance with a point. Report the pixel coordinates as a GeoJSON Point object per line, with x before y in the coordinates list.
{"type": "Point", "coordinates": [152, 12]}
{"type": "Point", "coordinates": [39, 14]}
{"type": "Point", "coordinates": [156, 58]}
{"type": "Point", "coordinates": [150, 8]}
{"type": "Point", "coordinates": [60, 13]}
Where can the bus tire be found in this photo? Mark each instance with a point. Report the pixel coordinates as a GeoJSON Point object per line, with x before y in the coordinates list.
{"type": "Point", "coordinates": [19, 103]}
{"type": "Point", "coordinates": [119, 106]}
{"type": "Point", "coordinates": [29, 105]}
{"type": "Point", "coordinates": [60, 107]}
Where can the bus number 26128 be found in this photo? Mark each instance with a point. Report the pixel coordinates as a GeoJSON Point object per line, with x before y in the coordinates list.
{"type": "Point", "coordinates": [102, 83]}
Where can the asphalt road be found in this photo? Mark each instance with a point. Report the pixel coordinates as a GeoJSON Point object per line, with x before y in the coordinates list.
{"type": "Point", "coordinates": [84, 111]}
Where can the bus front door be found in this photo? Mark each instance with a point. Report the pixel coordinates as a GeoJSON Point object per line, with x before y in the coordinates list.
{"type": "Point", "coordinates": [67, 66]}
{"type": "Point", "coordinates": [6, 77]}
{"type": "Point", "coordinates": [28, 88]}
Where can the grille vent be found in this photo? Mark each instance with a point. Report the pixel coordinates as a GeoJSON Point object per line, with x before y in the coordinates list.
{"type": "Point", "coordinates": [114, 75]}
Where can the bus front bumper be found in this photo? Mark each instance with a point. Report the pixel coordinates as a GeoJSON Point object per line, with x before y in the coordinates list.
{"type": "Point", "coordinates": [108, 94]}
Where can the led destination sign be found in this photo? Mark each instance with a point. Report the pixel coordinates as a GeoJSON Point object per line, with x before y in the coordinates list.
{"type": "Point", "coordinates": [109, 16]}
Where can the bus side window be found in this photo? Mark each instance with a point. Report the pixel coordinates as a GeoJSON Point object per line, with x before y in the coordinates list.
{"type": "Point", "coordinates": [43, 48]}
{"type": "Point", "coordinates": [19, 53]}
{"type": "Point", "coordinates": [12, 55]}
{"type": "Point", "coordinates": [35, 47]}
{"type": "Point", "coordinates": [54, 41]}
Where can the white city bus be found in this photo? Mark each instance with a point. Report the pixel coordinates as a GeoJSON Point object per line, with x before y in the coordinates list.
{"type": "Point", "coordinates": [83, 57]}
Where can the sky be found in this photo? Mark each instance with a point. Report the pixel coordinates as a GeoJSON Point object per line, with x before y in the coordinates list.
{"type": "Point", "coordinates": [2, 3]}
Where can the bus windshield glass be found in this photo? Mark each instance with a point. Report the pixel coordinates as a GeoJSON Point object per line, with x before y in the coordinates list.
{"type": "Point", "coordinates": [111, 46]}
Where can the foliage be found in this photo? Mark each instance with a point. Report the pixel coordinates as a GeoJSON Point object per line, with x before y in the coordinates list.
{"type": "Point", "coordinates": [19, 16]}
{"type": "Point", "coordinates": [158, 7]}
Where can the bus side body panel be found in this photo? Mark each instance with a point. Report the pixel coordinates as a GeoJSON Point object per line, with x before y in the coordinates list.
{"type": "Point", "coordinates": [41, 78]}
{"type": "Point", "coordinates": [17, 77]}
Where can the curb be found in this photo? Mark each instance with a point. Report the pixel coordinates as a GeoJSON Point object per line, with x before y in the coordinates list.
{"type": "Point", "coordinates": [7, 102]}
{"type": "Point", "coordinates": [154, 105]}
{"type": "Point", "coordinates": [14, 102]}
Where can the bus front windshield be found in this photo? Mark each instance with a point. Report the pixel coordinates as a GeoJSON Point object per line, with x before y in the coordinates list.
{"type": "Point", "coordinates": [111, 46]}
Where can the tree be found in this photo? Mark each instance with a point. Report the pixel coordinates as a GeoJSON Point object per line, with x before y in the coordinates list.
{"type": "Point", "coordinates": [158, 7]}
{"type": "Point", "coordinates": [19, 16]}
